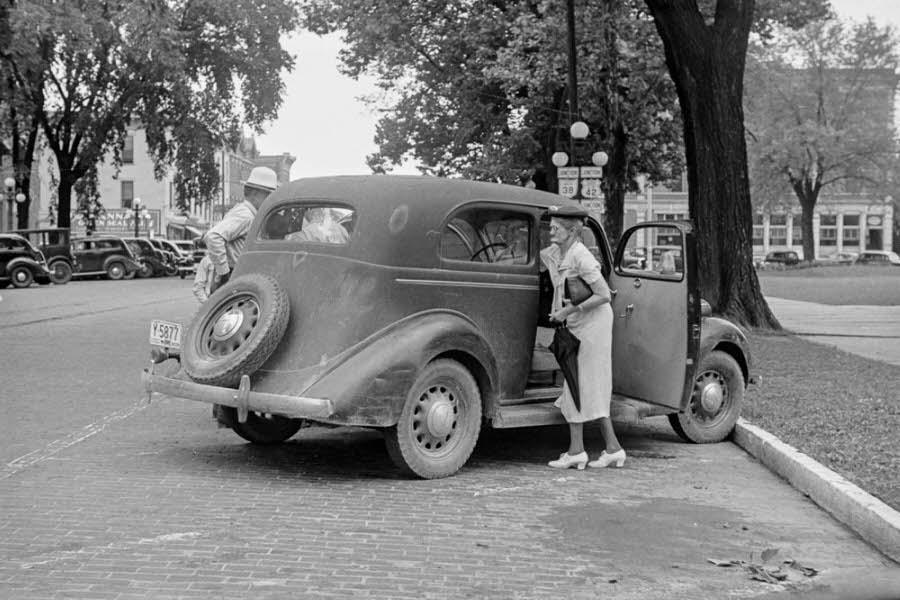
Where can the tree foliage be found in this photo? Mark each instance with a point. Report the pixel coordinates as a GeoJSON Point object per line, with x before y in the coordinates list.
{"type": "Point", "coordinates": [478, 89]}
{"type": "Point", "coordinates": [819, 107]}
{"type": "Point", "coordinates": [706, 45]}
{"type": "Point", "coordinates": [193, 72]}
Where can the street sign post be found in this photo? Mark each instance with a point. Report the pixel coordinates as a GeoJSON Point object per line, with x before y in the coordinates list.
{"type": "Point", "coordinates": [568, 187]}
{"type": "Point", "coordinates": [590, 188]}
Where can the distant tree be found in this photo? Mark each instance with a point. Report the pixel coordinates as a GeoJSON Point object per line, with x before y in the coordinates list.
{"type": "Point", "coordinates": [479, 90]}
{"type": "Point", "coordinates": [706, 45]}
{"type": "Point", "coordinates": [192, 72]}
{"type": "Point", "coordinates": [819, 107]}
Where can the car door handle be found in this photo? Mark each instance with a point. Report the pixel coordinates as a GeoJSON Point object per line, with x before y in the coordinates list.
{"type": "Point", "coordinates": [628, 310]}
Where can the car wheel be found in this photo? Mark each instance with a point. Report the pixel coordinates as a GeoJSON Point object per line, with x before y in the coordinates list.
{"type": "Point", "coordinates": [115, 271]}
{"type": "Point", "coordinates": [236, 330]}
{"type": "Point", "coordinates": [21, 277]}
{"type": "Point", "coordinates": [262, 428]}
{"type": "Point", "coordinates": [171, 270]}
{"type": "Point", "coordinates": [145, 271]}
{"type": "Point", "coordinates": [715, 403]}
{"type": "Point", "coordinates": [439, 423]}
{"type": "Point", "coordinates": [130, 275]}
{"type": "Point", "coordinates": [60, 272]}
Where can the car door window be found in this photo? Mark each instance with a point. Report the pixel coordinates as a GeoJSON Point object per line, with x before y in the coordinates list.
{"type": "Point", "coordinates": [488, 235]}
{"type": "Point", "coordinates": [654, 251]}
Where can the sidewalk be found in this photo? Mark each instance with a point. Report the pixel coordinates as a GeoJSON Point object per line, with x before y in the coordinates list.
{"type": "Point", "coordinates": [869, 331]}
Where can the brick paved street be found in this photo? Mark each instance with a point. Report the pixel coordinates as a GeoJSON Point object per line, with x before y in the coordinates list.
{"type": "Point", "coordinates": [128, 500]}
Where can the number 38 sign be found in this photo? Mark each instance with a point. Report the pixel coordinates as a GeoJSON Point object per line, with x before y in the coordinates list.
{"type": "Point", "coordinates": [568, 187]}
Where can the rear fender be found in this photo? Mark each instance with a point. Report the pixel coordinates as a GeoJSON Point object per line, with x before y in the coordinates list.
{"type": "Point", "coordinates": [368, 386]}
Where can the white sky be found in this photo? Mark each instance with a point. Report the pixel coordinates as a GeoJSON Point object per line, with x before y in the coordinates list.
{"type": "Point", "coordinates": [329, 130]}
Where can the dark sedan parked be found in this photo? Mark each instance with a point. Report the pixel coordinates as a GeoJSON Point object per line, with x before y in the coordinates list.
{"type": "Point", "coordinates": [55, 245]}
{"type": "Point", "coordinates": [394, 303]}
{"type": "Point", "coordinates": [21, 264]}
{"type": "Point", "coordinates": [103, 255]}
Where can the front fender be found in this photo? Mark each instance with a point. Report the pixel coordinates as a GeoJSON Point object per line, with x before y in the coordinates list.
{"type": "Point", "coordinates": [720, 334]}
{"type": "Point", "coordinates": [368, 383]}
{"type": "Point", "coordinates": [130, 265]}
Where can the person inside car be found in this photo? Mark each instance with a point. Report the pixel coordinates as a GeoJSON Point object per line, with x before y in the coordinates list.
{"type": "Point", "coordinates": [319, 225]}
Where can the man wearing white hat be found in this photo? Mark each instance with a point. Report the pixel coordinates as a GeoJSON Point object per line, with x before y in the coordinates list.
{"type": "Point", "coordinates": [225, 241]}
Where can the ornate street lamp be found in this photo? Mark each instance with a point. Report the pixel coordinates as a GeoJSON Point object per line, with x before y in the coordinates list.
{"type": "Point", "coordinates": [579, 131]}
{"type": "Point", "coordinates": [13, 197]}
{"type": "Point", "coordinates": [138, 212]}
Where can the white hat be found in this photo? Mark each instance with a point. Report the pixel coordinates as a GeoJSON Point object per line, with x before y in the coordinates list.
{"type": "Point", "coordinates": [262, 178]}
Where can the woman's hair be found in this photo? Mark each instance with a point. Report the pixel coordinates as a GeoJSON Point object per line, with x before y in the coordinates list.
{"type": "Point", "coordinates": [576, 225]}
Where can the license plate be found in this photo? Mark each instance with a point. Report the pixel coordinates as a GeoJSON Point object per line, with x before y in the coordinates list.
{"type": "Point", "coordinates": [165, 333]}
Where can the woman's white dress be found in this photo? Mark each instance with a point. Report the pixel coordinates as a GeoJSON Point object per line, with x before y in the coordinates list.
{"type": "Point", "coordinates": [592, 326]}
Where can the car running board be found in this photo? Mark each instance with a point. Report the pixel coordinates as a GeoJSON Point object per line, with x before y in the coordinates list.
{"type": "Point", "coordinates": [545, 413]}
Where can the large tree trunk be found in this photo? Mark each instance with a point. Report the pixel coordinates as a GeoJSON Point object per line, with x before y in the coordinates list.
{"type": "Point", "coordinates": [615, 182]}
{"type": "Point", "coordinates": [808, 206]}
{"type": "Point", "coordinates": [706, 63]}
{"type": "Point", "coordinates": [64, 208]}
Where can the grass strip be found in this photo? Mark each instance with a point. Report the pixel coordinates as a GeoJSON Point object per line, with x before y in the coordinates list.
{"type": "Point", "coordinates": [841, 409]}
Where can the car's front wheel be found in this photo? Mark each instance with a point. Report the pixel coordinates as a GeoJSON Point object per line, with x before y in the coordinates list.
{"type": "Point", "coordinates": [60, 272]}
{"type": "Point", "coordinates": [145, 271]}
{"type": "Point", "coordinates": [715, 403]}
{"type": "Point", "coordinates": [21, 277]}
{"type": "Point", "coordinates": [439, 423]}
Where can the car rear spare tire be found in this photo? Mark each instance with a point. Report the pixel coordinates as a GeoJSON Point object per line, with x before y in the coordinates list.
{"type": "Point", "coordinates": [235, 331]}
{"type": "Point", "coordinates": [715, 403]}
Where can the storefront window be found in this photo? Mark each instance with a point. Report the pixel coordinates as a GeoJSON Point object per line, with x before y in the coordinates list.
{"type": "Point", "coordinates": [758, 230]}
{"type": "Point", "coordinates": [850, 233]}
{"type": "Point", "coordinates": [778, 230]}
{"type": "Point", "coordinates": [828, 230]}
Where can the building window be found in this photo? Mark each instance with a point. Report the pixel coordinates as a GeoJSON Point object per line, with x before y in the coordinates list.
{"type": "Point", "coordinates": [128, 150]}
{"type": "Point", "coordinates": [850, 233]}
{"type": "Point", "coordinates": [778, 230]}
{"type": "Point", "coordinates": [758, 230]}
{"type": "Point", "coordinates": [797, 230]}
{"type": "Point", "coordinates": [828, 230]}
{"type": "Point", "coordinates": [127, 194]}
{"type": "Point", "coordinates": [670, 216]}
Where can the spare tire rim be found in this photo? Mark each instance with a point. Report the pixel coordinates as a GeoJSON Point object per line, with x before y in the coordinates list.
{"type": "Point", "coordinates": [230, 326]}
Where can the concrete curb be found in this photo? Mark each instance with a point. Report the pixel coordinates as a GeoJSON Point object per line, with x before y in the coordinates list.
{"type": "Point", "coordinates": [872, 519]}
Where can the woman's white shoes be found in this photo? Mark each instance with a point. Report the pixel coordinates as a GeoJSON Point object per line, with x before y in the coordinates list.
{"type": "Point", "coordinates": [565, 461]}
{"type": "Point", "coordinates": [617, 458]}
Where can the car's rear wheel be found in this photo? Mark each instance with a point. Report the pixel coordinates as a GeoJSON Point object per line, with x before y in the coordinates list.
{"type": "Point", "coordinates": [715, 403]}
{"type": "Point", "coordinates": [115, 270]}
{"type": "Point", "coordinates": [60, 272]}
{"type": "Point", "coordinates": [236, 330]}
{"type": "Point", "coordinates": [21, 277]}
{"type": "Point", "coordinates": [439, 423]}
{"type": "Point", "coordinates": [262, 428]}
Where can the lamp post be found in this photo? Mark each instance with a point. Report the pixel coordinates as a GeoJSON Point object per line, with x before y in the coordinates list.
{"type": "Point", "coordinates": [570, 178]}
{"type": "Point", "coordinates": [138, 212]}
{"type": "Point", "coordinates": [12, 197]}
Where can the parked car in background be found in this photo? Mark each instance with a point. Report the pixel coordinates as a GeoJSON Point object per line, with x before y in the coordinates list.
{"type": "Point", "coordinates": [199, 249]}
{"type": "Point", "coordinates": [783, 257]}
{"type": "Point", "coordinates": [21, 264]}
{"type": "Point", "coordinates": [153, 260]}
{"type": "Point", "coordinates": [839, 258]}
{"type": "Point", "coordinates": [103, 255]}
{"type": "Point", "coordinates": [414, 323]}
{"type": "Point", "coordinates": [183, 252]}
{"type": "Point", "coordinates": [55, 244]}
{"type": "Point", "coordinates": [878, 257]}
{"type": "Point", "coordinates": [172, 254]}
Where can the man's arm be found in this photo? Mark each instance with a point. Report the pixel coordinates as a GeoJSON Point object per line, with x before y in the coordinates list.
{"type": "Point", "coordinates": [215, 247]}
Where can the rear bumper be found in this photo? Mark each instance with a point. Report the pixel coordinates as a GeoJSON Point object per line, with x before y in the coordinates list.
{"type": "Point", "coordinates": [242, 398]}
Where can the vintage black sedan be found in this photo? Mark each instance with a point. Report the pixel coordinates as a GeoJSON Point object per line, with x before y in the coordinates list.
{"type": "Point", "coordinates": [413, 305]}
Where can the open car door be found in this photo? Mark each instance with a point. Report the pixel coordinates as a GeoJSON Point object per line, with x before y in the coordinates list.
{"type": "Point", "coordinates": [656, 328]}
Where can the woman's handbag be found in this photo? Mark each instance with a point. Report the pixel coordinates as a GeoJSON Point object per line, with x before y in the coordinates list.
{"type": "Point", "coordinates": [577, 290]}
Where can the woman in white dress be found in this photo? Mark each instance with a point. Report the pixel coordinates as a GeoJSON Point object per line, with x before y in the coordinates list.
{"type": "Point", "coordinates": [591, 322]}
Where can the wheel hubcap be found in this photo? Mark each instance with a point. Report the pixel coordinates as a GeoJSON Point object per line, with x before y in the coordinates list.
{"type": "Point", "coordinates": [435, 418]}
{"type": "Point", "coordinates": [227, 324]}
{"type": "Point", "coordinates": [710, 396]}
{"type": "Point", "coordinates": [21, 276]}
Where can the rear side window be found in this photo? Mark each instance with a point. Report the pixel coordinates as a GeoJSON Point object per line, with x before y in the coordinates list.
{"type": "Point", "coordinates": [488, 235]}
{"type": "Point", "coordinates": [311, 223]}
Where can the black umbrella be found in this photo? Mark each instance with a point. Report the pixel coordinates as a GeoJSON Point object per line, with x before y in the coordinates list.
{"type": "Point", "coordinates": [565, 348]}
